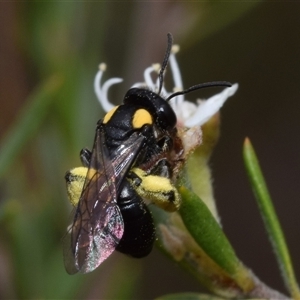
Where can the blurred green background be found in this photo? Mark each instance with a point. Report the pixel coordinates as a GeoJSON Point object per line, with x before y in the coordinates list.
{"type": "Point", "coordinates": [50, 52]}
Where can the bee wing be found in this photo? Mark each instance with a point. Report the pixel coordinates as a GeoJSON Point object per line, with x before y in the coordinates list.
{"type": "Point", "coordinates": [98, 224]}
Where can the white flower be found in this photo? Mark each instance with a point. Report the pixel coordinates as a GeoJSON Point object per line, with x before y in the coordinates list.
{"type": "Point", "coordinates": [189, 114]}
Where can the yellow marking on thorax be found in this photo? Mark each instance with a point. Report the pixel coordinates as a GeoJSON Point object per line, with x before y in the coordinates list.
{"type": "Point", "coordinates": [108, 116]}
{"type": "Point", "coordinates": [141, 117]}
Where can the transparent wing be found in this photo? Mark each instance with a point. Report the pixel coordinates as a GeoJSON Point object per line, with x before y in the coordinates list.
{"type": "Point", "coordinates": [98, 225]}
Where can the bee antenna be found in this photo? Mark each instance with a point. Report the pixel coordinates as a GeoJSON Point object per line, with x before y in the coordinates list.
{"type": "Point", "coordinates": [200, 86]}
{"type": "Point", "coordinates": [165, 62]}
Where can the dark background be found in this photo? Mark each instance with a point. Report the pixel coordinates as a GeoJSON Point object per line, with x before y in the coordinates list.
{"type": "Point", "coordinates": [254, 44]}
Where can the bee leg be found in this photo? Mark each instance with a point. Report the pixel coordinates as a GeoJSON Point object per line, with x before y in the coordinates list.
{"type": "Point", "coordinates": [165, 143]}
{"type": "Point", "coordinates": [85, 157]}
{"type": "Point", "coordinates": [162, 168]}
{"type": "Point", "coordinates": [156, 188]}
{"type": "Point", "coordinates": [75, 179]}
{"type": "Point", "coordinates": [139, 229]}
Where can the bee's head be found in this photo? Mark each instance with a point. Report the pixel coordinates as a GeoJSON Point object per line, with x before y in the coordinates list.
{"type": "Point", "coordinates": [163, 114]}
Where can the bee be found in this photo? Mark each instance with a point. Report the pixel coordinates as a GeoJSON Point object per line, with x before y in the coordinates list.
{"type": "Point", "coordinates": [136, 148]}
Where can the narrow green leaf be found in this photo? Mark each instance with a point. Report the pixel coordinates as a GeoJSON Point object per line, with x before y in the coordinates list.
{"type": "Point", "coordinates": [270, 219]}
{"type": "Point", "coordinates": [189, 296]}
{"type": "Point", "coordinates": [28, 122]}
{"type": "Point", "coordinates": [209, 236]}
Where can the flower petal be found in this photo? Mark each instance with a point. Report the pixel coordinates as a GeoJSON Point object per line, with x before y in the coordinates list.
{"type": "Point", "coordinates": [209, 107]}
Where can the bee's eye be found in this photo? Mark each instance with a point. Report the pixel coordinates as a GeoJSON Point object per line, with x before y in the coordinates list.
{"type": "Point", "coordinates": [165, 115]}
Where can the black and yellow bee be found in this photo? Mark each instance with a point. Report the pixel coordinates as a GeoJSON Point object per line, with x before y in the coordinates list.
{"type": "Point", "coordinates": [135, 150]}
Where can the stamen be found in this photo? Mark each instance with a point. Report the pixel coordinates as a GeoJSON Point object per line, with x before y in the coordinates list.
{"type": "Point", "coordinates": [139, 85]}
{"type": "Point", "coordinates": [148, 78]}
{"type": "Point", "coordinates": [101, 92]}
{"type": "Point", "coordinates": [176, 74]}
{"type": "Point", "coordinates": [156, 67]}
{"type": "Point", "coordinates": [102, 67]}
{"type": "Point", "coordinates": [175, 49]}
{"type": "Point", "coordinates": [107, 106]}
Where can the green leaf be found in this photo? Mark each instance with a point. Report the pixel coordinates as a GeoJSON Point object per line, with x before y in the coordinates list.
{"type": "Point", "coordinates": [270, 219]}
{"type": "Point", "coordinates": [209, 236]}
{"type": "Point", "coordinates": [189, 296]}
{"type": "Point", "coordinates": [28, 122]}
